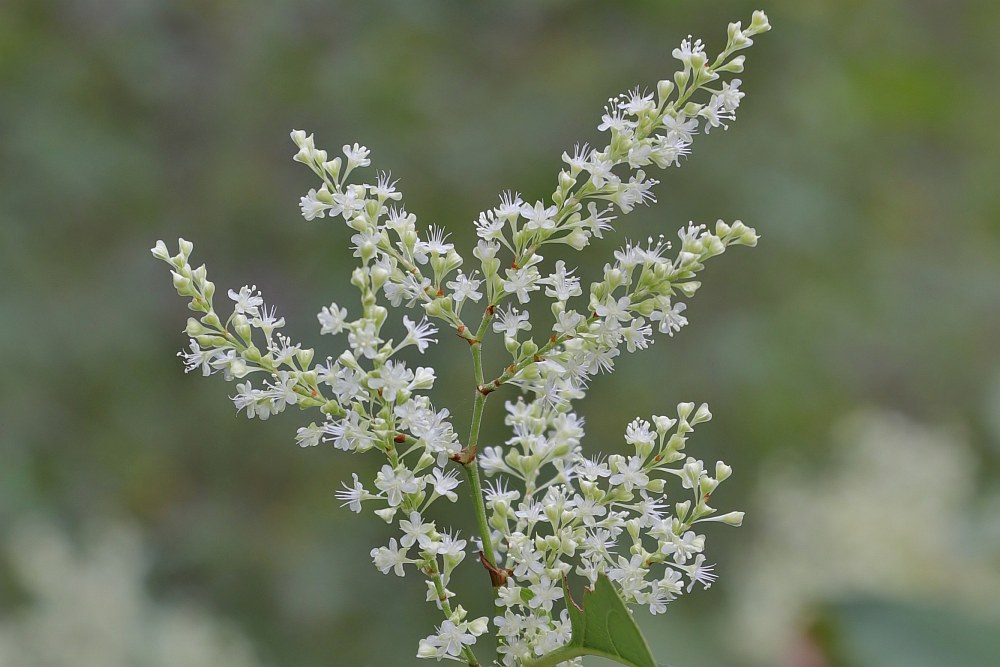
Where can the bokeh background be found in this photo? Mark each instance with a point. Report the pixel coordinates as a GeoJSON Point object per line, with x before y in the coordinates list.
{"type": "Point", "coordinates": [851, 359]}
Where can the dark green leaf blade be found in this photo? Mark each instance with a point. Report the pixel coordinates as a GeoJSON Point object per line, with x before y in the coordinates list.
{"type": "Point", "coordinates": [602, 626]}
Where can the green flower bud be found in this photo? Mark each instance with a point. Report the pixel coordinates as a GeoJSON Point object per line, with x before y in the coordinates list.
{"type": "Point", "coordinates": [663, 90]}
{"type": "Point", "coordinates": [194, 328]}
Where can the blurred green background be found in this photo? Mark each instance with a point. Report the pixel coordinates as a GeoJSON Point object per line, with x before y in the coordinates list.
{"type": "Point", "coordinates": [851, 359]}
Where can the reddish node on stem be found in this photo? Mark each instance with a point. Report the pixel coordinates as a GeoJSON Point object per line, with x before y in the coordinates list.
{"type": "Point", "coordinates": [399, 439]}
{"type": "Point", "coordinates": [498, 576]}
{"type": "Point", "coordinates": [466, 456]}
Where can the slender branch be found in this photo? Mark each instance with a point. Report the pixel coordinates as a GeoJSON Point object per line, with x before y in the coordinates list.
{"type": "Point", "coordinates": [469, 459]}
{"type": "Point", "coordinates": [435, 576]}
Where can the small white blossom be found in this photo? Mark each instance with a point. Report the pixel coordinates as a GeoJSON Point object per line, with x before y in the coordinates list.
{"type": "Point", "coordinates": [332, 319]}
{"type": "Point", "coordinates": [390, 558]}
{"type": "Point", "coordinates": [353, 495]}
{"type": "Point", "coordinates": [395, 484]}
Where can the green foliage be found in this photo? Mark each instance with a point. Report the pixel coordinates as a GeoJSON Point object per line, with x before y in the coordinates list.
{"type": "Point", "coordinates": [602, 626]}
{"type": "Point", "coordinates": [870, 633]}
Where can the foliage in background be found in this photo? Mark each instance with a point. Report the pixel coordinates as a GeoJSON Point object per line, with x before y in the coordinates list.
{"type": "Point", "coordinates": [865, 157]}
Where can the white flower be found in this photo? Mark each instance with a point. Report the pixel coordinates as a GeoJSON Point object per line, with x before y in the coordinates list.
{"type": "Point", "coordinates": [198, 358]}
{"type": "Point", "coordinates": [577, 161]}
{"type": "Point", "coordinates": [680, 126]}
{"type": "Point", "coordinates": [451, 548]}
{"type": "Point", "coordinates": [545, 592]}
{"type": "Point", "coordinates": [385, 187]}
{"type": "Point", "coordinates": [599, 167]}
{"type": "Point", "coordinates": [332, 319]}
{"type": "Point", "coordinates": [247, 398]}
{"type": "Point", "coordinates": [637, 103]}
{"type": "Point", "coordinates": [539, 216]}
{"type": "Point", "coordinates": [419, 334]}
{"type": "Point", "coordinates": [247, 300]}
{"type": "Point", "coordinates": [444, 483]}
{"type": "Point", "coordinates": [463, 287]}
{"type": "Point", "coordinates": [730, 95]}
{"type": "Point", "coordinates": [489, 226]}
{"type": "Point", "coordinates": [436, 242]}
{"type": "Point", "coordinates": [390, 558]}
{"type": "Point", "coordinates": [357, 156]}
{"type": "Point", "coordinates": [615, 309]}
{"type": "Point", "coordinates": [670, 318]}
{"type": "Point", "coordinates": [395, 483]}
{"type": "Point", "coordinates": [563, 284]}
{"type": "Point", "coordinates": [415, 531]}
{"type": "Point", "coordinates": [267, 321]}
{"type": "Point", "coordinates": [363, 339]}
{"type": "Point", "coordinates": [312, 207]}
{"type": "Point", "coordinates": [520, 282]}
{"type": "Point", "coordinates": [663, 592]}
{"type": "Point", "coordinates": [689, 52]}
{"type": "Point", "coordinates": [699, 573]}
{"type": "Point", "coordinates": [638, 432]}
{"type": "Point", "coordinates": [510, 322]}
{"type": "Point", "coordinates": [715, 113]}
{"type": "Point", "coordinates": [349, 433]}
{"type": "Point", "coordinates": [454, 638]}
{"type": "Point", "coordinates": [353, 495]}
{"type": "Point", "coordinates": [510, 205]}
{"type": "Point", "coordinates": [309, 436]}
{"type": "Point", "coordinates": [346, 384]}
{"type": "Point", "coordinates": [614, 119]}
{"type": "Point", "coordinates": [631, 475]}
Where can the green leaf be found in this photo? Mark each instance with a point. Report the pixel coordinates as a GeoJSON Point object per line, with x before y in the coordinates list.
{"type": "Point", "coordinates": [602, 626]}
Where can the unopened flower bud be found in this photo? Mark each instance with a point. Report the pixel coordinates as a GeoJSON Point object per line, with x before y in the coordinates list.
{"type": "Point", "coordinates": [758, 23]}
{"type": "Point", "coordinates": [160, 251]}
{"type": "Point", "coordinates": [663, 90]}
{"type": "Point", "coordinates": [732, 518]}
{"type": "Point", "coordinates": [702, 415]}
{"type": "Point", "coordinates": [478, 626]}
{"type": "Point", "coordinates": [681, 509]}
{"type": "Point", "coordinates": [386, 514]}
{"type": "Point", "coordinates": [734, 66]}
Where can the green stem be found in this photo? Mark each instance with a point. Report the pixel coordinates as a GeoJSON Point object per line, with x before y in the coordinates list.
{"type": "Point", "coordinates": [467, 653]}
{"type": "Point", "coordinates": [472, 446]}
{"type": "Point", "coordinates": [470, 460]}
{"type": "Point", "coordinates": [476, 489]}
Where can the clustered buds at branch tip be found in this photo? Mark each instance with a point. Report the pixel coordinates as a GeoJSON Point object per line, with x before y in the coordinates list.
{"type": "Point", "coordinates": [549, 511]}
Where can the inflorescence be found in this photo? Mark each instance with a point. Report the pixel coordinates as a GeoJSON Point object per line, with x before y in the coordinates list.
{"type": "Point", "coordinates": [549, 511]}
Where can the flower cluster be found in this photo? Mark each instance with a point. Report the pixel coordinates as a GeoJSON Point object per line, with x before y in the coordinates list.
{"type": "Point", "coordinates": [550, 512]}
{"type": "Point", "coordinates": [593, 516]}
